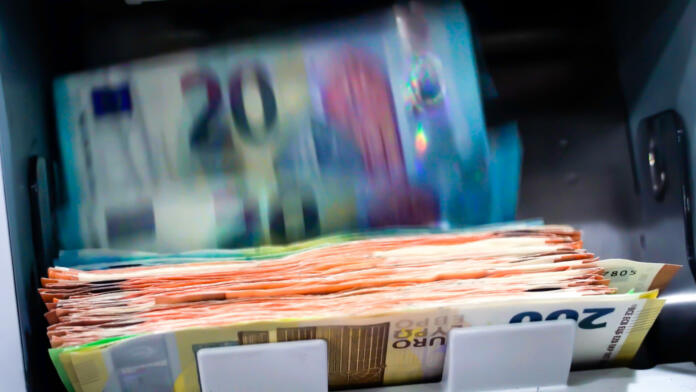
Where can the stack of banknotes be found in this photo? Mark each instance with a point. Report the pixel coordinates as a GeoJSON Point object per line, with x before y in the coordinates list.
{"type": "Point", "coordinates": [384, 304]}
{"type": "Point", "coordinates": [368, 123]}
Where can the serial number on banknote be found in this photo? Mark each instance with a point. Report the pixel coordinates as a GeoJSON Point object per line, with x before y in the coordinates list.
{"type": "Point", "coordinates": [626, 272]}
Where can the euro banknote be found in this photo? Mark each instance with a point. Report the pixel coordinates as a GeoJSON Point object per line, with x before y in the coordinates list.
{"type": "Point", "coordinates": [367, 123]}
{"type": "Point", "coordinates": [384, 304]}
{"type": "Point", "coordinates": [404, 347]}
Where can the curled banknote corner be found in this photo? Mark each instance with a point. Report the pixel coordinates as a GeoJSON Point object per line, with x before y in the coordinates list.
{"type": "Point", "coordinates": [627, 275]}
{"type": "Point", "coordinates": [383, 303]}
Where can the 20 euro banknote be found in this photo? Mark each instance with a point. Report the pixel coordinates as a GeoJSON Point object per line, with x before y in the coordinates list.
{"type": "Point", "coordinates": [368, 123]}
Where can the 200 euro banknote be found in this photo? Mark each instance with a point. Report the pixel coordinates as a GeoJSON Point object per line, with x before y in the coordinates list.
{"type": "Point", "coordinates": [400, 347]}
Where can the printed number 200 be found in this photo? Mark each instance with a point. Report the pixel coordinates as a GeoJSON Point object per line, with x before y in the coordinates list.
{"type": "Point", "coordinates": [590, 318]}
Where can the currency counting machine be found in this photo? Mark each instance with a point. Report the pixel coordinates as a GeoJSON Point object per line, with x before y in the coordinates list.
{"type": "Point", "coordinates": [604, 93]}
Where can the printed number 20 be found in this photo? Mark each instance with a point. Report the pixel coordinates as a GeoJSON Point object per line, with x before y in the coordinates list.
{"type": "Point", "coordinates": [589, 321]}
{"type": "Point", "coordinates": [200, 133]}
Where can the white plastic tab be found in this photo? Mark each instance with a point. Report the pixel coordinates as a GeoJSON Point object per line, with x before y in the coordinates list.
{"type": "Point", "coordinates": [525, 356]}
{"type": "Point", "coordinates": [299, 366]}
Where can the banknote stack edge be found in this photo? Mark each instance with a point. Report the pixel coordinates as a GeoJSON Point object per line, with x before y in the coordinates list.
{"type": "Point", "coordinates": [393, 297]}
